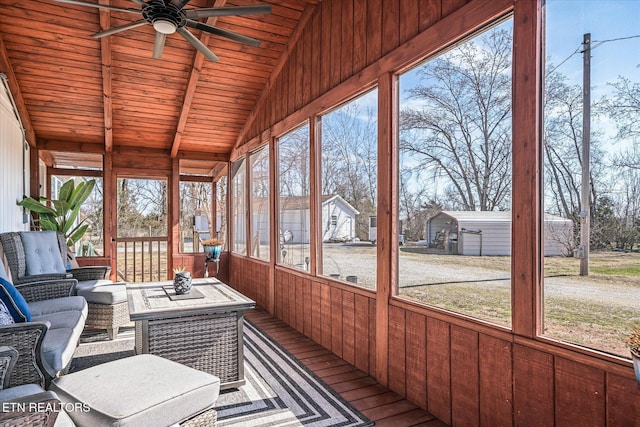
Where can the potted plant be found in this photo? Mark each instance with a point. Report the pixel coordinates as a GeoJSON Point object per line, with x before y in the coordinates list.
{"type": "Point", "coordinates": [181, 281]}
{"type": "Point", "coordinates": [633, 342]}
{"type": "Point", "coordinates": [62, 214]}
{"type": "Point", "coordinates": [212, 248]}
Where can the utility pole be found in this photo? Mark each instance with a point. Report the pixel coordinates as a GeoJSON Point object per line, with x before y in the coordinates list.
{"type": "Point", "coordinates": [585, 225]}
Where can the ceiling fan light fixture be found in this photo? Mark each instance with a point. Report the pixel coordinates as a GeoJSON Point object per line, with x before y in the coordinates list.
{"type": "Point", "coordinates": [164, 26]}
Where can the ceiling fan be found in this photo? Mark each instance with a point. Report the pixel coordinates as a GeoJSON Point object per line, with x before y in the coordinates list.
{"type": "Point", "coordinates": [169, 16]}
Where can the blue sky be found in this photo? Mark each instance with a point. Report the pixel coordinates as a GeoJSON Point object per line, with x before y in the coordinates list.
{"type": "Point", "coordinates": [568, 20]}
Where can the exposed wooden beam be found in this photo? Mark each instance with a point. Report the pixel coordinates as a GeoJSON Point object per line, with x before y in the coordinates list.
{"type": "Point", "coordinates": [277, 69]}
{"type": "Point", "coordinates": [34, 167]}
{"type": "Point", "coordinates": [46, 157]}
{"type": "Point", "coordinates": [195, 178]}
{"type": "Point", "coordinates": [73, 172]}
{"type": "Point", "coordinates": [69, 147]}
{"type": "Point", "coordinates": [105, 49]}
{"type": "Point", "coordinates": [198, 155]}
{"type": "Point", "coordinates": [217, 171]}
{"type": "Point", "coordinates": [194, 76]}
{"type": "Point", "coordinates": [5, 67]}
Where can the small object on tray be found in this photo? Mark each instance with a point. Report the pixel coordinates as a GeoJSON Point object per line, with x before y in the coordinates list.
{"type": "Point", "coordinates": [171, 293]}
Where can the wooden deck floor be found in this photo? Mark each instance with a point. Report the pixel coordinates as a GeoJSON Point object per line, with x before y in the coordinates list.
{"type": "Point", "coordinates": [378, 403]}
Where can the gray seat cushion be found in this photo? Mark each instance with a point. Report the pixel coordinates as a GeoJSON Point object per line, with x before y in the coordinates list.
{"type": "Point", "coordinates": [66, 318]}
{"type": "Point", "coordinates": [63, 319]}
{"type": "Point", "coordinates": [58, 346]}
{"type": "Point", "coordinates": [143, 390]}
{"type": "Point", "coordinates": [56, 305]}
{"type": "Point", "coordinates": [13, 393]}
{"type": "Point", "coordinates": [91, 284]}
{"type": "Point", "coordinates": [27, 390]}
{"type": "Point", "coordinates": [104, 294]}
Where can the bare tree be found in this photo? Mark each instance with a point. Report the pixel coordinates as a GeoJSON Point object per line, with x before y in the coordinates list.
{"type": "Point", "coordinates": [416, 205]}
{"type": "Point", "coordinates": [562, 138]}
{"type": "Point", "coordinates": [461, 126]}
{"type": "Point", "coordinates": [293, 163]}
{"type": "Point", "coordinates": [142, 207]}
{"type": "Point", "coordinates": [349, 160]}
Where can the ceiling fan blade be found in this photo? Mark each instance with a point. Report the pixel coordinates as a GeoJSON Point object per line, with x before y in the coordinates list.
{"type": "Point", "coordinates": [195, 42]}
{"type": "Point", "coordinates": [206, 12]}
{"type": "Point", "coordinates": [224, 33]}
{"type": "Point", "coordinates": [139, 2]}
{"type": "Point", "coordinates": [99, 6]}
{"type": "Point", "coordinates": [158, 45]}
{"type": "Point", "coordinates": [115, 30]}
{"type": "Point", "coordinates": [179, 3]}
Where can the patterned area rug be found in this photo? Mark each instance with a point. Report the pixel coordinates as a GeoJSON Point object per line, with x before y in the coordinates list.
{"type": "Point", "coordinates": [279, 391]}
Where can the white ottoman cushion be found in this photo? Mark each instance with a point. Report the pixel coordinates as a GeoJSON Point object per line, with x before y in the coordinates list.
{"type": "Point", "coordinates": [140, 391]}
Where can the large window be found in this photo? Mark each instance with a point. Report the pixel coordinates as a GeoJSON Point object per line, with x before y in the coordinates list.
{"type": "Point", "coordinates": [592, 180]}
{"type": "Point", "coordinates": [222, 219]}
{"type": "Point", "coordinates": [349, 191]}
{"type": "Point", "coordinates": [239, 206]}
{"type": "Point", "coordinates": [455, 178]}
{"type": "Point", "coordinates": [260, 203]}
{"type": "Point", "coordinates": [293, 200]}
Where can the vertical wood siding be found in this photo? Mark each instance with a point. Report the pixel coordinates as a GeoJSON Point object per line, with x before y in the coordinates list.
{"type": "Point", "coordinates": [11, 161]}
{"type": "Point", "coordinates": [341, 39]}
{"type": "Point", "coordinates": [462, 371]}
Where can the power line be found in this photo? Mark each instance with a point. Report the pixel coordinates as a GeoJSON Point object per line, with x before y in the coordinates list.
{"type": "Point", "coordinates": [600, 42]}
{"type": "Point", "coordinates": [565, 60]}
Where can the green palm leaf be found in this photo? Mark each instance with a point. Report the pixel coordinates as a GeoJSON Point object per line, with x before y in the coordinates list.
{"type": "Point", "coordinates": [36, 206]}
{"type": "Point", "coordinates": [62, 214]}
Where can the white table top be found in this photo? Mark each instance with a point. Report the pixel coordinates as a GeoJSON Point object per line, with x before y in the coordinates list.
{"type": "Point", "coordinates": [149, 300]}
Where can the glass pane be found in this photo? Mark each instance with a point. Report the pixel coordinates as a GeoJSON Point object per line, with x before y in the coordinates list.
{"type": "Point", "coordinates": [142, 208]}
{"type": "Point", "coordinates": [293, 203]}
{"type": "Point", "coordinates": [592, 231]}
{"type": "Point", "coordinates": [222, 219]}
{"type": "Point", "coordinates": [195, 215]}
{"type": "Point", "coordinates": [349, 190]}
{"type": "Point", "coordinates": [260, 203]}
{"type": "Point", "coordinates": [239, 206]}
{"type": "Point", "coordinates": [455, 178]}
{"type": "Point", "coordinates": [91, 214]}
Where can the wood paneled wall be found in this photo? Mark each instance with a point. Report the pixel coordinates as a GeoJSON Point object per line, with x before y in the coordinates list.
{"type": "Point", "coordinates": [463, 371]}
{"type": "Point", "coordinates": [341, 39]}
{"type": "Point", "coordinates": [338, 317]}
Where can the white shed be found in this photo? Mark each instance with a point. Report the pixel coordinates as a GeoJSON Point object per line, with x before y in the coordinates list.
{"type": "Point", "coordinates": [489, 233]}
{"type": "Point", "coordinates": [338, 218]}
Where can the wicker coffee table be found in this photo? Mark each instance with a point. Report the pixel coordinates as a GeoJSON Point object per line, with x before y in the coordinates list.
{"type": "Point", "coordinates": [202, 330]}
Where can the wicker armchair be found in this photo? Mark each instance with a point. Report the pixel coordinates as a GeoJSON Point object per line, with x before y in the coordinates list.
{"type": "Point", "coordinates": [26, 338]}
{"type": "Point", "coordinates": [26, 405]}
{"type": "Point", "coordinates": [108, 308]}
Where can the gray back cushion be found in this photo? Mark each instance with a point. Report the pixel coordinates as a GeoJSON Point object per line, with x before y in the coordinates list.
{"type": "Point", "coordinates": [42, 253]}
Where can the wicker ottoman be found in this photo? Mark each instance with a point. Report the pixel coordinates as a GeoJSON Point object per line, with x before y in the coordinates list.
{"type": "Point", "coordinates": [108, 308]}
{"type": "Point", "coordinates": [143, 390]}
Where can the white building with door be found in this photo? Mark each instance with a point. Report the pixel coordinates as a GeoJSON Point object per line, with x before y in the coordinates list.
{"type": "Point", "coordinates": [489, 233]}
{"type": "Point", "coordinates": [338, 219]}
{"type": "Point", "coordinates": [338, 222]}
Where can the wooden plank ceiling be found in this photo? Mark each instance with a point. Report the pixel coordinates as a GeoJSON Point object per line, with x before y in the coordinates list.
{"type": "Point", "coordinates": [81, 97]}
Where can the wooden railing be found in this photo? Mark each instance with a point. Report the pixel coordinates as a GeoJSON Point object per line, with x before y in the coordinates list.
{"type": "Point", "coordinates": [141, 259]}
